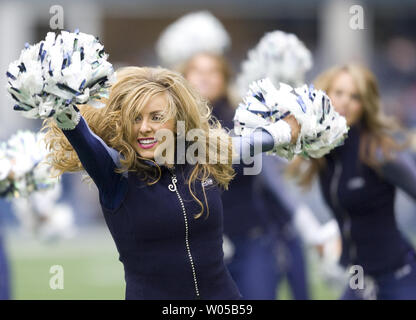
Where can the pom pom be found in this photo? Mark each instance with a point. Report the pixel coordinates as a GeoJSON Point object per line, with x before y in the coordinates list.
{"type": "Point", "coordinates": [60, 71]}
{"type": "Point", "coordinates": [279, 56]}
{"type": "Point", "coordinates": [322, 128]}
{"type": "Point", "coordinates": [5, 169]}
{"type": "Point", "coordinates": [43, 216]}
{"type": "Point", "coordinates": [26, 153]}
{"type": "Point", "coordinates": [193, 33]}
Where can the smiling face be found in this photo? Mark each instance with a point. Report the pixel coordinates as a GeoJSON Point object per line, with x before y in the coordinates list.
{"type": "Point", "coordinates": [206, 74]}
{"type": "Point", "coordinates": [147, 123]}
{"type": "Point", "coordinates": [345, 97]}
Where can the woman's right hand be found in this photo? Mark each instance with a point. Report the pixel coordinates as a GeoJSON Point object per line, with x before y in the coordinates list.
{"type": "Point", "coordinates": [68, 119]}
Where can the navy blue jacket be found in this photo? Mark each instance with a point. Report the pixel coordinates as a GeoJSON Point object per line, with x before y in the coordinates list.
{"type": "Point", "coordinates": [362, 201]}
{"type": "Point", "coordinates": [166, 253]}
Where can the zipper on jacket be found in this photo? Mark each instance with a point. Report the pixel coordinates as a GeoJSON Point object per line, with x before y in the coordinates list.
{"type": "Point", "coordinates": [172, 187]}
{"type": "Point", "coordinates": [346, 227]}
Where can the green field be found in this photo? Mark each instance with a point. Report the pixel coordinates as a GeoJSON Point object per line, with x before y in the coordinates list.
{"type": "Point", "coordinates": [89, 260]}
{"type": "Point", "coordinates": [91, 268]}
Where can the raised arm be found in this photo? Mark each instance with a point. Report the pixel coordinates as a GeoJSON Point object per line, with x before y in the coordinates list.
{"type": "Point", "coordinates": [266, 138]}
{"type": "Point", "coordinates": [249, 146]}
{"type": "Point", "coordinates": [100, 162]}
{"type": "Point", "coordinates": [401, 172]}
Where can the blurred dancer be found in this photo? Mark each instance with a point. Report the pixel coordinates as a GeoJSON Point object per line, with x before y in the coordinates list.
{"type": "Point", "coordinates": [253, 231]}
{"type": "Point", "coordinates": [359, 180]}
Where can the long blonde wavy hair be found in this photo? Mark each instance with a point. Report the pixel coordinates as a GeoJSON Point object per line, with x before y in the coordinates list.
{"type": "Point", "coordinates": [377, 128]}
{"type": "Point", "coordinates": [113, 123]}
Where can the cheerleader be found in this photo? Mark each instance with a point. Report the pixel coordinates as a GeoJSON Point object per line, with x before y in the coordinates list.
{"type": "Point", "coordinates": [281, 57]}
{"type": "Point", "coordinates": [165, 218]}
{"type": "Point", "coordinates": [250, 223]}
{"type": "Point", "coordinates": [359, 181]}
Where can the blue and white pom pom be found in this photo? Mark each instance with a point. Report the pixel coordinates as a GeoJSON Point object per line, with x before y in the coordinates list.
{"type": "Point", "coordinates": [193, 33]}
{"type": "Point", "coordinates": [42, 215]}
{"type": "Point", "coordinates": [60, 71]}
{"type": "Point", "coordinates": [5, 169]}
{"type": "Point", "coordinates": [322, 128]}
{"type": "Point", "coordinates": [279, 56]}
{"type": "Point", "coordinates": [28, 171]}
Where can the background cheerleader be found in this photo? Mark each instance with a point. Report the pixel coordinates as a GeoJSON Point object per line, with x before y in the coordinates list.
{"type": "Point", "coordinates": [359, 182]}
{"type": "Point", "coordinates": [247, 223]}
{"type": "Point", "coordinates": [258, 214]}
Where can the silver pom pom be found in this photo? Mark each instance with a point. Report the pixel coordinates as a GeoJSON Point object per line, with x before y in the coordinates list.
{"type": "Point", "coordinates": [60, 71]}
{"type": "Point", "coordinates": [5, 169]}
{"type": "Point", "coordinates": [279, 56]}
{"type": "Point", "coordinates": [42, 215]}
{"type": "Point", "coordinates": [193, 33]}
{"type": "Point", "coordinates": [322, 128]}
{"type": "Point", "coordinates": [25, 153]}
